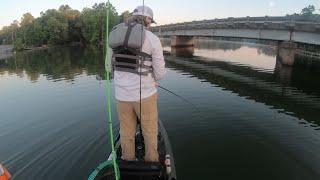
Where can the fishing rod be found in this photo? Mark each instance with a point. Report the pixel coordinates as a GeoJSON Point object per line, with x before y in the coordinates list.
{"type": "Point", "coordinates": [184, 99]}
{"type": "Point", "coordinates": [113, 155]}
{"type": "Point", "coordinates": [108, 94]}
{"type": "Point", "coordinates": [140, 67]}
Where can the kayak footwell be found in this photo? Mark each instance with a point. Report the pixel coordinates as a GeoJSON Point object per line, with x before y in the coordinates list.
{"type": "Point", "coordinates": [140, 169]}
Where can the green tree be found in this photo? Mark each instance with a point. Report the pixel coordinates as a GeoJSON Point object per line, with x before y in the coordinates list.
{"type": "Point", "coordinates": [308, 11]}
{"type": "Point", "coordinates": [60, 26]}
{"type": "Point", "coordinates": [8, 34]}
{"type": "Point", "coordinates": [93, 23]}
{"type": "Point", "coordinates": [26, 30]}
{"type": "Point", "coordinates": [55, 27]}
{"type": "Point", "coordinates": [73, 18]}
{"type": "Point", "coordinates": [26, 19]}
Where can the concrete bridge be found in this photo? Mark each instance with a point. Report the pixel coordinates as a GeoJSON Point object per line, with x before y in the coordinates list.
{"type": "Point", "coordinates": [288, 31]}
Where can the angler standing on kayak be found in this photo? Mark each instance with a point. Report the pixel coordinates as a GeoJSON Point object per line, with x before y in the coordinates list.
{"type": "Point", "coordinates": [138, 63]}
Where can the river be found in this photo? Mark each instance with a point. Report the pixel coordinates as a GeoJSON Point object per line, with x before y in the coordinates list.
{"type": "Point", "coordinates": [251, 117]}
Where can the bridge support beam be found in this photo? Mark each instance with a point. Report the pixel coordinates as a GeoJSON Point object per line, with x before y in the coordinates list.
{"type": "Point", "coordinates": [182, 41]}
{"type": "Point", "coordinates": [286, 52]}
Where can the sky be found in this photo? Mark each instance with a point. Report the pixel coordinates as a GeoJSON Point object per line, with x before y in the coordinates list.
{"type": "Point", "coordinates": [165, 11]}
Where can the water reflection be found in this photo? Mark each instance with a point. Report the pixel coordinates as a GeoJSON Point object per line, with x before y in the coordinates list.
{"type": "Point", "coordinates": [245, 55]}
{"type": "Point", "coordinates": [254, 72]}
{"type": "Point", "coordinates": [183, 52]}
{"type": "Point", "coordinates": [55, 63]}
{"type": "Point", "coordinates": [247, 69]}
{"type": "Point", "coordinates": [240, 53]}
{"type": "Point", "coordinates": [52, 113]}
{"type": "Point", "coordinates": [251, 115]}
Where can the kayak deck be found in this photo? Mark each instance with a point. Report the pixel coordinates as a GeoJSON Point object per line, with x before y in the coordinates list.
{"type": "Point", "coordinates": [140, 169]}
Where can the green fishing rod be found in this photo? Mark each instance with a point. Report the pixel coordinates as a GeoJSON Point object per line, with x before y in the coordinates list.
{"type": "Point", "coordinates": [113, 161]}
{"type": "Point", "coordinates": [108, 93]}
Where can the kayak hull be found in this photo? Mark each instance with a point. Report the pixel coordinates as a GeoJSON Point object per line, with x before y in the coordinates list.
{"type": "Point", "coordinates": [4, 173]}
{"type": "Point", "coordinates": [140, 170]}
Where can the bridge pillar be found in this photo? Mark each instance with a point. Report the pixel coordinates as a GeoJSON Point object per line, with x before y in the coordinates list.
{"type": "Point", "coordinates": [182, 41]}
{"type": "Point", "coordinates": [286, 52]}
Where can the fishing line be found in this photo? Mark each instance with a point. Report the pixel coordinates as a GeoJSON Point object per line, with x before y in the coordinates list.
{"type": "Point", "coordinates": [185, 100]}
{"type": "Point", "coordinates": [108, 93]}
{"type": "Point", "coordinates": [177, 95]}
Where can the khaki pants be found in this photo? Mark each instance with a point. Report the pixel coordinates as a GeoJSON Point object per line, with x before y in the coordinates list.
{"type": "Point", "coordinates": [127, 113]}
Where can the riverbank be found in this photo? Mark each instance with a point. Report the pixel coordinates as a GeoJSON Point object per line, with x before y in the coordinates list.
{"type": "Point", "coordinates": [6, 51]}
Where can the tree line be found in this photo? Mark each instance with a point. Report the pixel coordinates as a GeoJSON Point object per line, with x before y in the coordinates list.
{"type": "Point", "coordinates": [61, 26]}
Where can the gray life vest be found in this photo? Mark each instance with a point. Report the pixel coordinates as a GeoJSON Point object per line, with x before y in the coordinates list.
{"type": "Point", "coordinates": [126, 41]}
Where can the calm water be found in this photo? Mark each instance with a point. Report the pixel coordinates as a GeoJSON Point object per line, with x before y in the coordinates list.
{"type": "Point", "coordinates": [252, 118]}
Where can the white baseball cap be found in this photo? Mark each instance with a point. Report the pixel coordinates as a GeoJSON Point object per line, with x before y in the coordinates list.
{"type": "Point", "coordinates": [144, 11]}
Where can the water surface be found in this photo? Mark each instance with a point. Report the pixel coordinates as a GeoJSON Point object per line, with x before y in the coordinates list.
{"type": "Point", "coordinates": [251, 118]}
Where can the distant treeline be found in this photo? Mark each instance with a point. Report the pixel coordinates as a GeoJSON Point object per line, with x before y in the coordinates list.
{"type": "Point", "coordinates": [61, 26]}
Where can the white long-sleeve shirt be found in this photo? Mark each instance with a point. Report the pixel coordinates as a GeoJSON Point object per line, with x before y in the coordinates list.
{"type": "Point", "coordinates": [127, 85]}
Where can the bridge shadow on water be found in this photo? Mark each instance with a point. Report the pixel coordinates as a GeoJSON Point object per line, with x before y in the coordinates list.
{"type": "Point", "coordinates": [290, 89]}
